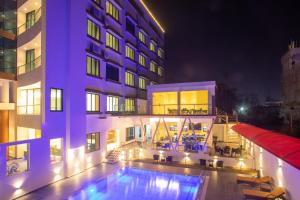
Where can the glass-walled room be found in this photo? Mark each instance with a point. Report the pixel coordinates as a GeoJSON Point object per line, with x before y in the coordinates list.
{"type": "Point", "coordinates": [181, 103]}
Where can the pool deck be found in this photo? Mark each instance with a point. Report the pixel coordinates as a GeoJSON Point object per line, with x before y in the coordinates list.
{"type": "Point", "coordinates": [221, 184]}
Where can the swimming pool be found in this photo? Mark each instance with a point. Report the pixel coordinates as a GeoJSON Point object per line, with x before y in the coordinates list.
{"type": "Point", "coordinates": [140, 184]}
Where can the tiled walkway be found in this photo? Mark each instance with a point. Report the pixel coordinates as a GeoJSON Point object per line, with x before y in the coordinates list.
{"type": "Point", "coordinates": [221, 184]}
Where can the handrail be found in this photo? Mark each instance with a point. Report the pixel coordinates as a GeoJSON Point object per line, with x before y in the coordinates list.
{"type": "Point", "coordinates": [28, 67]}
{"type": "Point", "coordinates": [183, 109]}
{"type": "Point", "coordinates": [37, 15]}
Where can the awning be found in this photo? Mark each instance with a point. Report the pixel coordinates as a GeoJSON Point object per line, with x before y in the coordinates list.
{"type": "Point", "coordinates": [284, 147]}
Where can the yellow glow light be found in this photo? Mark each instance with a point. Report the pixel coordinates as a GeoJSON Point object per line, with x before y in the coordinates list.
{"type": "Point", "coordinates": [152, 16]}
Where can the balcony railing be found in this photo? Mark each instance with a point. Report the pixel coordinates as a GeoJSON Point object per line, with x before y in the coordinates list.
{"type": "Point", "coordinates": [28, 24]}
{"type": "Point", "coordinates": [28, 67]}
{"type": "Point", "coordinates": [183, 109]}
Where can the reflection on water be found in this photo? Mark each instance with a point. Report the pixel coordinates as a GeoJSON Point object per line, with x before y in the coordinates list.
{"type": "Point", "coordinates": [130, 183]}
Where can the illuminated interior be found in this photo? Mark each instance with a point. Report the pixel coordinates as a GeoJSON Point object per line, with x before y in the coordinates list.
{"type": "Point", "coordinates": [164, 103]}
{"type": "Point", "coordinates": [194, 102]}
{"type": "Point", "coordinates": [29, 98]}
{"type": "Point", "coordinates": [200, 130]}
{"type": "Point", "coordinates": [191, 103]}
{"type": "Point", "coordinates": [56, 150]}
{"type": "Point", "coordinates": [17, 159]}
{"type": "Point", "coordinates": [24, 133]}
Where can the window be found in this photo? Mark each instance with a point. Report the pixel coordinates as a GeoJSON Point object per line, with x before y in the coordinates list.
{"type": "Point", "coordinates": [92, 102]}
{"type": "Point", "coordinates": [112, 104]}
{"type": "Point", "coordinates": [92, 66]}
{"type": "Point", "coordinates": [24, 133]}
{"type": "Point", "coordinates": [130, 135]}
{"type": "Point", "coordinates": [92, 142]}
{"type": "Point", "coordinates": [160, 53]}
{"type": "Point", "coordinates": [142, 60]}
{"type": "Point", "coordinates": [112, 10]}
{"type": "Point", "coordinates": [56, 99]}
{"type": "Point", "coordinates": [129, 105]}
{"type": "Point", "coordinates": [152, 66]}
{"type": "Point", "coordinates": [160, 71]}
{"type": "Point", "coordinates": [112, 73]}
{"type": "Point", "coordinates": [112, 41]}
{"type": "Point", "coordinates": [56, 150]}
{"type": "Point", "coordinates": [17, 159]}
{"type": "Point", "coordinates": [129, 78]}
{"type": "Point", "coordinates": [29, 102]}
{"type": "Point", "coordinates": [130, 27]}
{"type": "Point", "coordinates": [142, 37]}
{"type": "Point", "coordinates": [164, 103]}
{"type": "Point", "coordinates": [142, 83]}
{"type": "Point", "coordinates": [129, 52]}
{"type": "Point", "coordinates": [93, 30]}
{"type": "Point", "coordinates": [29, 59]}
{"type": "Point", "coordinates": [152, 46]}
{"type": "Point", "coordinates": [30, 19]}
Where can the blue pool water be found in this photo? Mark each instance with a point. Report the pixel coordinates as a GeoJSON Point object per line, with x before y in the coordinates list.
{"type": "Point", "coordinates": [138, 184]}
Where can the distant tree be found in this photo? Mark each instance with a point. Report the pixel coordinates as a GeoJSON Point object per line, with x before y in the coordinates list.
{"type": "Point", "coordinates": [226, 98]}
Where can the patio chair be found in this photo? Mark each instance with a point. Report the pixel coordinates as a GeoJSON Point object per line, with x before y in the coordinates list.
{"type": "Point", "coordinates": [156, 157]}
{"type": "Point", "coordinates": [202, 162]}
{"type": "Point", "coordinates": [169, 159]}
{"type": "Point", "coordinates": [253, 180]}
{"type": "Point", "coordinates": [277, 192]}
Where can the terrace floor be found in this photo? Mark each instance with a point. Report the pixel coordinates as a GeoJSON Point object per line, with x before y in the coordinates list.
{"type": "Point", "coordinates": [221, 183]}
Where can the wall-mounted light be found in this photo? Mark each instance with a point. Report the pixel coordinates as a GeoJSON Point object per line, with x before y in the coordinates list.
{"type": "Point", "coordinates": [280, 163]}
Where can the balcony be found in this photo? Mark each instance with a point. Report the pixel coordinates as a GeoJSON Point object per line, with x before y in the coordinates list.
{"type": "Point", "coordinates": [30, 23]}
{"type": "Point", "coordinates": [28, 67]}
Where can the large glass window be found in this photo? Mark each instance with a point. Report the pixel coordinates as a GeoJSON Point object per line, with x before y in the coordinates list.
{"type": "Point", "coordinates": [92, 142]}
{"type": "Point", "coordinates": [56, 103]}
{"type": "Point", "coordinates": [152, 66]}
{"type": "Point", "coordinates": [29, 102]}
{"type": "Point", "coordinates": [112, 73]}
{"type": "Point", "coordinates": [17, 159]}
{"type": "Point", "coordinates": [129, 78]}
{"type": "Point", "coordinates": [112, 41]}
{"type": "Point", "coordinates": [130, 27]}
{"type": "Point", "coordinates": [92, 102]}
{"type": "Point", "coordinates": [130, 133]}
{"type": "Point", "coordinates": [129, 52]}
{"type": "Point", "coordinates": [164, 103]}
{"type": "Point", "coordinates": [142, 60]}
{"type": "Point", "coordinates": [112, 104]}
{"type": "Point", "coordinates": [92, 66]}
{"type": "Point", "coordinates": [142, 83]}
{"type": "Point", "coordinates": [93, 30]}
{"type": "Point", "coordinates": [142, 37]}
{"type": "Point", "coordinates": [56, 150]}
{"type": "Point", "coordinates": [129, 105]}
{"type": "Point", "coordinates": [112, 10]}
{"type": "Point", "coordinates": [194, 102]}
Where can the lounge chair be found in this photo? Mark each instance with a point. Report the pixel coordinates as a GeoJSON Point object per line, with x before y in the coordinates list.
{"type": "Point", "coordinates": [253, 180]}
{"type": "Point", "coordinates": [202, 162]}
{"type": "Point", "coordinates": [277, 192]}
{"type": "Point", "coordinates": [220, 164]}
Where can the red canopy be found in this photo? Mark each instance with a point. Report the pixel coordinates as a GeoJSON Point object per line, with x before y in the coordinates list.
{"type": "Point", "coordinates": [285, 147]}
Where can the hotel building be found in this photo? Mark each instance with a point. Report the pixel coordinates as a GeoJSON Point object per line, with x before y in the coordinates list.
{"type": "Point", "coordinates": [66, 66]}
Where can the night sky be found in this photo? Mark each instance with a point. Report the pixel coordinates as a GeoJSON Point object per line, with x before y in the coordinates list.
{"type": "Point", "coordinates": [238, 42]}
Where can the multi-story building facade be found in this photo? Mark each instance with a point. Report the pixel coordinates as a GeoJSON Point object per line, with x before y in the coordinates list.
{"type": "Point", "coordinates": [291, 86]}
{"type": "Point", "coordinates": [77, 63]}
